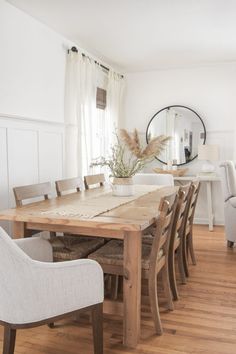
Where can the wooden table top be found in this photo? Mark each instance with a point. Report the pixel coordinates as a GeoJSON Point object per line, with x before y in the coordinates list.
{"type": "Point", "coordinates": [133, 216]}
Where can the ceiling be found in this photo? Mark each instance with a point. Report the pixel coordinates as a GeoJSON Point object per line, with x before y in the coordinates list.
{"type": "Point", "coordinates": [144, 35]}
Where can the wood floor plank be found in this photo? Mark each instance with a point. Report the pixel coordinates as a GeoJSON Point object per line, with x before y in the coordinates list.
{"type": "Point", "coordinates": [204, 319]}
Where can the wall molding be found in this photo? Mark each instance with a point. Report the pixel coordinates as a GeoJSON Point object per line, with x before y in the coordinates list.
{"type": "Point", "coordinates": [31, 152]}
{"type": "Point", "coordinates": [17, 118]}
{"type": "Point", "coordinates": [204, 221]}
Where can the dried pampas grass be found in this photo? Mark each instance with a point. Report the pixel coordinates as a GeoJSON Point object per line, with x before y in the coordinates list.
{"type": "Point", "coordinates": [128, 157]}
{"type": "Point", "coordinates": [153, 148]}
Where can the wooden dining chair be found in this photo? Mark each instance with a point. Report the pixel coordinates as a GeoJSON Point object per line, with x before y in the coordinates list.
{"type": "Point", "coordinates": [25, 194]}
{"type": "Point", "coordinates": [188, 235]}
{"type": "Point", "coordinates": [70, 246]}
{"type": "Point", "coordinates": [111, 281]}
{"type": "Point", "coordinates": [177, 239]}
{"type": "Point", "coordinates": [154, 258]}
{"type": "Point", "coordinates": [67, 185]}
{"type": "Point", "coordinates": [94, 181]}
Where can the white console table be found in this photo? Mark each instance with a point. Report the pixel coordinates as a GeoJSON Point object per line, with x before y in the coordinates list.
{"type": "Point", "coordinates": [208, 180]}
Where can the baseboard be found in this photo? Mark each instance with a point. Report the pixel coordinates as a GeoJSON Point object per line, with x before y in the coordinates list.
{"type": "Point", "coordinates": [204, 221]}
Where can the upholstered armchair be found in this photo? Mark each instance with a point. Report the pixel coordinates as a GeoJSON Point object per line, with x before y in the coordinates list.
{"type": "Point", "coordinates": [228, 174]}
{"type": "Point", "coordinates": [35, 291]}
{"type": "Point", "coordinates": [154, 178]}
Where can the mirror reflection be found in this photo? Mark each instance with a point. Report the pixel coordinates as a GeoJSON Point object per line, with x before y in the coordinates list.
{"type": "Point", "coordinates": [186, 129]}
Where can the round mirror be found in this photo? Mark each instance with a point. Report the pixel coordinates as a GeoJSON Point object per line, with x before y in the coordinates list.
{"type": "Point", "coordinates": [186, 129]}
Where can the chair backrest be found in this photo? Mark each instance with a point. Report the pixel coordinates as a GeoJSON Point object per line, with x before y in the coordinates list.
{"type": "Point", "coordinates": [154, 179]}
{"type": "Point", "coordinates": [94, 181]}
{"type": "Point", "coordinates": [181, 214]}
{"type": "Point", "coordinates": [163, 227]}
{"type": "Point", "coordinates": [31, 191]}
{"type": "Point", "coordinates": [195, 188]}
{"type": "Point", "coordinates": [68, 185]}
{"type": "Point", "coordinates": [228, 174]}
{"type": "Point", "coordinates": [15, 276]}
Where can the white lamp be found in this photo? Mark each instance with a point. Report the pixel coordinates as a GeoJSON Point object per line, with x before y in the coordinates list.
{"type": "Point", "coordinates": [208, 153]}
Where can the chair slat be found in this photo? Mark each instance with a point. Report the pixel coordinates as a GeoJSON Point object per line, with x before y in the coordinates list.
{"type": "Point", "coordinates": [31, 191]}
{"type": "Point", "coordinates": [94, 180]}
{"type": "Point", "coordinates": [69, 184]}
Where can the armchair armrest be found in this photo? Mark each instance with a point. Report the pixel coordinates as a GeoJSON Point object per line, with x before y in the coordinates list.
{"type": "Point", "coordinates": [42, 290]}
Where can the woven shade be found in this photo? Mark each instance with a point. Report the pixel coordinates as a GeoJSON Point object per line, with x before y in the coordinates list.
{"type": "Point", "coordinates": [101, 98]}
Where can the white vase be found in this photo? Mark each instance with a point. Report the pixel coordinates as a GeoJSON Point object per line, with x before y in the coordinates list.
{"type": "Point", "coordinates": [123, 187]}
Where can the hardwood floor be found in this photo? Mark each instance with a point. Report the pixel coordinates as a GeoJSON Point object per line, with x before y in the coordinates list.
{"type": "Point", "coordinates": [204, 319]}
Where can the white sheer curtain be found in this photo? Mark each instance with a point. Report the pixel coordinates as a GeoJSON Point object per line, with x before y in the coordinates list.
{"type": "Point", "coordinates": [80, 112]}
{"type": "Point", "coordinates": [89, 131]}
{"type": "Point", "coordinates": [115, 89]}
{"type": "Point", "coordinates": [88, 84]}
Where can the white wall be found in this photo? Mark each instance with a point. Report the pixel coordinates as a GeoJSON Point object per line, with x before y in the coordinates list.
{"type": "Point", "coordinates": [32, 67]}
{"type": "Point", "coordinates": [209, 90]}
{"type": "Point", "coordinates": [32, 72]}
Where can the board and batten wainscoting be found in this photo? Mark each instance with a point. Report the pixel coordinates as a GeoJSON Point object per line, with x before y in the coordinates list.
{"type": "Point", "coordinates": [31, 151]}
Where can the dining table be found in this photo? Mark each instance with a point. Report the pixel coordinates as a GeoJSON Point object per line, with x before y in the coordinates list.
{"type": "Point", "coordinates": [96, 212]}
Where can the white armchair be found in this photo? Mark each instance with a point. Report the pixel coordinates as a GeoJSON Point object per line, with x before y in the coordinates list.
{"type": "Point", "coordinates": [34, 292]}
{"type": "Point", "coordinates": [154, 178]}
{"type": "Point", "coordinates": [228, 174]}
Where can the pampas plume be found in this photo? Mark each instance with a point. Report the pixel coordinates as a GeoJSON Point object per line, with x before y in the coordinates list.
{"type": "Point", "coordinates": [133, 143]}
{"type": "Point", "coordinates": [154, 147]}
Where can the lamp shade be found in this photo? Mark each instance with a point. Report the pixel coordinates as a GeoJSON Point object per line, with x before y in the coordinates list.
{"type": "Point", "coordinates": [208, 152]}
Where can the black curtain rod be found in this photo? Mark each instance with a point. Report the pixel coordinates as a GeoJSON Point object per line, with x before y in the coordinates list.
{"type": "Point", "coordinates": [74, 49]}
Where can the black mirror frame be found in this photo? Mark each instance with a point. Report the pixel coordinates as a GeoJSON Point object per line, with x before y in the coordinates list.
{"type": "Point", "coordinates": [180, 106]}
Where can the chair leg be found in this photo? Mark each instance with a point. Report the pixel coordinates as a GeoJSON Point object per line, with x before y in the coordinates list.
{"type": "Point", "coordinates": [185, 256]}
{"type": "Point", "coordinates": [191, 249]}
{"type": "Point", "coordinates": [97, 323]}
{"type": "Point", "coordinates": [52, 234]}
{"type": "Point", "coordinates": [230, 244]}
{"type": "Point", "coordinates": [166, 287]}
{"type": "Point", "coordinates": [114, 286]}
{"type": "Point", "coordinates": [51, 325]}
{"type": "Point", "coordinates": [172, 277]}
{"type": "Point", "coordinates": [152, 286]}
{"type": "Point", "coordinates": [181, 263]}
{"type": "Point", "coordinates": [9, 340]}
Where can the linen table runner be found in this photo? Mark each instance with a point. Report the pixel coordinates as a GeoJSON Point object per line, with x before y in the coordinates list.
{"type": "Point", "coordinates": [94, 206]}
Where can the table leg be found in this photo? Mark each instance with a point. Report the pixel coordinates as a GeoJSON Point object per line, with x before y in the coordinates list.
{"type": "Point", "coordinates": [132, 288]}
{"type": "Point", "coordinates": [18, 229]}
{"type": "Point", "coordinates": [209, 206]}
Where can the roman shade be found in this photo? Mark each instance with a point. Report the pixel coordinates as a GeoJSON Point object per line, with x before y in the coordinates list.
{"type": "Point", "coordinates": [101, 98]}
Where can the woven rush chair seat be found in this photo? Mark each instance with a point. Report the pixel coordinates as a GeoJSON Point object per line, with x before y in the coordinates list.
{"type": "Point", "coordinates": [67, 248]}
{"type": "Point", "coordinates": [147, 239]}
{"type": "Point", "coordinates": [112, 254]}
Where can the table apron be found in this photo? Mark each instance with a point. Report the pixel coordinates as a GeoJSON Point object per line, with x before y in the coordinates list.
{"type": "Point", "coordinates": [76, 230]}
